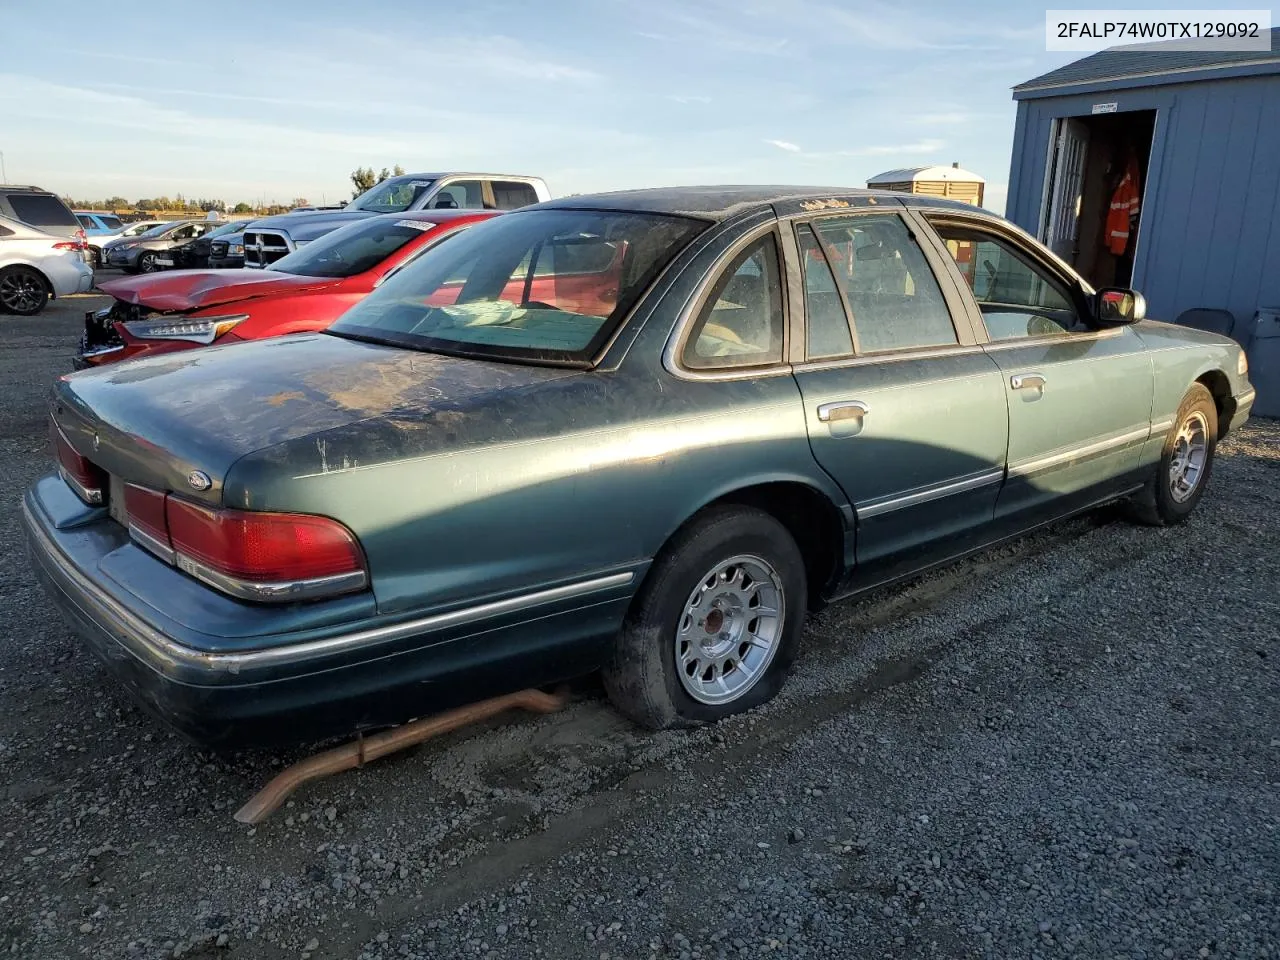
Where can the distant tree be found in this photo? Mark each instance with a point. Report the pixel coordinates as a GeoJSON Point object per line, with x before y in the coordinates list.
{"type": "Point", "coordinates": [301, 202]}
{"type": "Point", "coordinates": [117, 203]}
{"type": "Point", "coordinates": [363, 178]}
{"type": "Point", "coordinates": [397, 171]}
{"type": "Point", "coordinates": [242, 207]}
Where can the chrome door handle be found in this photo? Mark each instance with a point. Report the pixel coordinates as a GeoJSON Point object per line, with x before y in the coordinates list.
{"type": "Point", "coordinates": [842, 410]}
{"type": "Point", "coordinates": [1026, 381]}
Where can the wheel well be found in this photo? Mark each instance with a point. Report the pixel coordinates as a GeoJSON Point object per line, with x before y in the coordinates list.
{"type": "Point", "coordinates": [34, 269]}
{"type": "Point", "coordinates": [813, 521]}
{"type": "Point", "coordinates": [1217, 384]}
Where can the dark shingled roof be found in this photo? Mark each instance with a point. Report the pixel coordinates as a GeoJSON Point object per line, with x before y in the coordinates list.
{"type": "Point", "coordinates": [1148, 60]}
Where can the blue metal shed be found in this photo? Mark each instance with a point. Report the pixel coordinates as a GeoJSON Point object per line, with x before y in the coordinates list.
{"type": "Point", "coordinates": [1201, 130]}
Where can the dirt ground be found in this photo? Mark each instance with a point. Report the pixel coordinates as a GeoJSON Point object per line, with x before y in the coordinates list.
{"type": "Point", "coordinates": [1069, 746]}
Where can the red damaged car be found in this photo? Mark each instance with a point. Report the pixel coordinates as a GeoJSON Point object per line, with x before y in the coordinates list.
{"type": "Point", "coordinates": [306, 290]}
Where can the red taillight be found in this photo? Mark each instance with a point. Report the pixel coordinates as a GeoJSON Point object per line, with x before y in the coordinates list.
{"type": "Point", "coordinates": [68, 245]}
{"type": "Point", "coordinates": [81, 475]}
{"type": "Point", "coordinates": [264, 555]}
{"type": "Point", "coordinates": [147, 517]}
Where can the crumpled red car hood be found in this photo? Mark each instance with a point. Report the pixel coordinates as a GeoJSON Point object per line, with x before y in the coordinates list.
{"type": "Point", "coordinates": [195, 289]}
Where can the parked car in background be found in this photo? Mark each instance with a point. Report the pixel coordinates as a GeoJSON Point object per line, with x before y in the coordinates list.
{"type": "Point", "coordinates": [604, 432]}
{"type": "Point", "coordinates": [36, 266]}
{"type": "Point", "coordinates": [194, 254]}
{"type": "Point", "coordinates": [138, 254]}
{"type": "Point", "coordinates": [274, 237]}
{"type": "Point", "coordinates": [304, 291]}
{"type": "Point", "coordinates": [227, 251]}
{"type": "Point", "coordinates": [40, 209]}
{"type": "Point", "coordinates": [99, 228]}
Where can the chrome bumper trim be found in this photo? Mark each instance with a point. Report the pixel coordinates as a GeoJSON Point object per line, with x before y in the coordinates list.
{"type": "Point", "coordinates": [141, 634]}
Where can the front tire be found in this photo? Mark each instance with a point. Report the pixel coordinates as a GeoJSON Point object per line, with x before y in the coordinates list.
{"type": "Point", "coordinates": [23, 291]}
{"type": "Point", "coordinates": [147, 263]}
{"type": "Point", "coordinates": [715, 628]}
{"type": "Point", "coordinates": [1185, 463]}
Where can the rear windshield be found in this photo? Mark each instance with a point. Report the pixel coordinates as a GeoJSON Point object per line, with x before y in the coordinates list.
{"type": "Point", "coordinates": [111, 223]}
{"type": "Point", "coordinates": [352, 249]}
{"type": "Point", "coordinates": [392, 196]}
{"type": "Point", "coordinates": [42, 210]}
{"type": "Point", "coordinates": [540, 285]}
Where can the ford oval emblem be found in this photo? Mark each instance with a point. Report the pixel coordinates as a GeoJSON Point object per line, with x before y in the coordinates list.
{"type": "Point", "coordinates": [199, 480]}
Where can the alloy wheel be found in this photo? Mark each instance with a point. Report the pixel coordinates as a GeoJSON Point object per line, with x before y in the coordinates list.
{"type": "Point", "coordinates": [730, 630]}
{"type": "Point", "coordinates": [1190, 454]}
{"type": "Point", "coordinates": [21, 292]}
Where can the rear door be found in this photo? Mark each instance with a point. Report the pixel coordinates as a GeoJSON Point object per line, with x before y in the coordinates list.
{"type": "Point", "coordinates": [1079, 395]}
{"type": "Point", "coordinates": [903, 409]}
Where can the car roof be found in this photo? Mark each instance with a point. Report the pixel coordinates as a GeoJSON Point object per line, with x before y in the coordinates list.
{"type": "Point", "coordinates": [721, 202]}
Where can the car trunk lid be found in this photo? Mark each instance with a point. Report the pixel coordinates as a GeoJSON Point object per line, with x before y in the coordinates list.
{"type": "Point", "coordinates": [179, 421]}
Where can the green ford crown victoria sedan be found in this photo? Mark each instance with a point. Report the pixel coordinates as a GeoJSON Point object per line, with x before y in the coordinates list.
{"type": "Point", "coordinates": [640, 432]}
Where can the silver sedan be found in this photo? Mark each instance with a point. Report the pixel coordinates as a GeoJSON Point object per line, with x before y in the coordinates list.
{"type": "Point", "coordinates": [36, 267]}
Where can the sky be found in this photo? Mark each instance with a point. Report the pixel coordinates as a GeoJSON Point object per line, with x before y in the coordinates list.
{"type": "Point", "coordinates": [278, 99]}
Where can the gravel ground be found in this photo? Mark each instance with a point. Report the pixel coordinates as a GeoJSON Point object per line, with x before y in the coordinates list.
{"type": "Point", "coordinates": [1066, 747]}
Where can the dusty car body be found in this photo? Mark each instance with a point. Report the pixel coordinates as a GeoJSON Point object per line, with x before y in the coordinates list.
{"type": "Point", "coordinates": [308, 290]}
{"type": "Point", "coordinates": [642, 432]}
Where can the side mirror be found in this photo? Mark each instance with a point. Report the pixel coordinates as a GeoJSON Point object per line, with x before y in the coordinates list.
{"type": "Point", "coordinates": [1119, 305]}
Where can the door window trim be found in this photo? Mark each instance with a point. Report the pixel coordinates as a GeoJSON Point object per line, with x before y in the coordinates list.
{"type": "Point", "coordinates": [1077, 288]}
{"type": "Point", "coordinates": [673, 353]}
{"type": "Point", "coordinates": [940, 263]}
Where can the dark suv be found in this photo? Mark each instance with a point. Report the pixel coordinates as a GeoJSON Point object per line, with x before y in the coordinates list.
{"type": "Point", "coordinates": [40, 209]}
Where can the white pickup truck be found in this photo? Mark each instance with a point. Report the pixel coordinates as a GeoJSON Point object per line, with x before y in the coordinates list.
{"type": "Point", "coordinates": [269, 239]}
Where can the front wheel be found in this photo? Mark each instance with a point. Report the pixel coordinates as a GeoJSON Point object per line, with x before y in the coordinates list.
{"type": "Point", "coordinates": [22, 291]}
{"type": "Point", "coordinates": [716, 625]}
{"type": "Point", "coordinates": [1185, 463]}
{"type": "Point", "coordinates": [147, 263]}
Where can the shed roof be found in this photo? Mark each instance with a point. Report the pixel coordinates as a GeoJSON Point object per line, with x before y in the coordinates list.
{"type": "Point", "coordinates": [916, 174]}
{"type": "Point", "coordinates": [1149, 61]}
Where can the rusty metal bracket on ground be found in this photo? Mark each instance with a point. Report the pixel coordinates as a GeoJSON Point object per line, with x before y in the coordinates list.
{"type": "Point", "coordinates": [365, 749]}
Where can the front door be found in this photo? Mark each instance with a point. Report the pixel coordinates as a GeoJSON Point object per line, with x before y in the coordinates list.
{"type": "Point", "coordinates": [1079, 396]}
{"type": "Point", "coordinates": [902, 410]}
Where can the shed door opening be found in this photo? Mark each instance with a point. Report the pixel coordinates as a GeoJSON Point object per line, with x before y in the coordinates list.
{"type": "Point", "coordinates": [1094, 188]}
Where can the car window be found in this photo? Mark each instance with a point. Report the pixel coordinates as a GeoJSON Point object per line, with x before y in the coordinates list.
{"type": "Point", "coordinates": [459, 195]}
{"type": "Point", "coordinates": [352, 249]}
{"type": "Point", "coordinates": [508, 195]}
{"type": "Point", "coordinates": [826, 325]}
{"type": "Point", "coordinates": [742, 322]}
{"type": "Point", "coordinates": [469, 296]}
{"type": "Point", "coordinates": [1017, 297]}
{"type": "Point", "coordinates": [87, 222]}
{"type": "Point", "coordinates": [392, 196]}
{"type": "Point", "coordinates": [184, 233]}
{"type": "Point", "coordinates": [893, 296]}
{"type": "Point", "coordinates": [111, 223]}
{"type": "Point", "coordinates": [42, 210]}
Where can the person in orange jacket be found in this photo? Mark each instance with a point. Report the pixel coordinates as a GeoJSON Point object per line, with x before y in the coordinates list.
{"type": "Point", "coordinates": [1125, 203]}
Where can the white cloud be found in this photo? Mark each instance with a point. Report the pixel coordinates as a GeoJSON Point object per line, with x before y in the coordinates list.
{"type": "Point", "coordinates": [784, 145]}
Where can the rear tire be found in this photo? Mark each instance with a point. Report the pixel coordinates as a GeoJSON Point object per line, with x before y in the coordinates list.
{"type": "Point", "coordinates": [715, 628]}
{"type": "Point", "coordinates": [23, 290]}
{"type": "Point", "coordinates": [1185, 462]}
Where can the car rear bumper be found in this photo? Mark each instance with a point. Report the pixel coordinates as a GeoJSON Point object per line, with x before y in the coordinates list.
{"type": "Point", "coordinates": [253, 674]}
